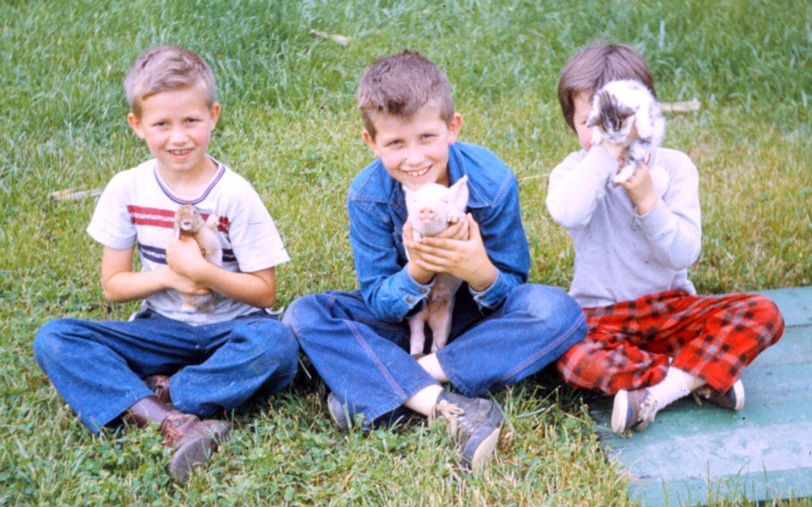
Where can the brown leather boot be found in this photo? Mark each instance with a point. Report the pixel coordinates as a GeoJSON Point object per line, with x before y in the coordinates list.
{"type": "Point", "coordinates": [160, 385]}
{"type": "Point", "coordinates": [194, 441]}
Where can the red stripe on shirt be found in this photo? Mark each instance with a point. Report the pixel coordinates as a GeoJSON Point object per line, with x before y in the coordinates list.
{"type": "Point", "coordinates": [140, 215]}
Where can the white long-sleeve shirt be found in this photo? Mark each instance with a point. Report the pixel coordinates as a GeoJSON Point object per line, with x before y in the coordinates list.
{"type": "Point", "coordinates": [620, 255]}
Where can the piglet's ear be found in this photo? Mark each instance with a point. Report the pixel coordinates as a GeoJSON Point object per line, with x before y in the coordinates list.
{"type": "Point", "coordinates": [458, 193]}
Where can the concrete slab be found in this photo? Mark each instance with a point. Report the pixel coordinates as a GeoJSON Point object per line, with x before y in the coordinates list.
{"type": "Point", "coordinates": [701, 455]}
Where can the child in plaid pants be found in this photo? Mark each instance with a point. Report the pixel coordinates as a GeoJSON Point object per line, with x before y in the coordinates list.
{"type": "Point", "coordinates": [651, 339]}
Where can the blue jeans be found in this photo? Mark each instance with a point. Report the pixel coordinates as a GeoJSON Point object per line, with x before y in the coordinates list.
{"type": "Point", "coordinates": [366, 363]}
{"type": "Point", "coordinates": [98, 367]}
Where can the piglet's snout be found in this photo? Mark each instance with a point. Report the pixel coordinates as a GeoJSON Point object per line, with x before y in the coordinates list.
{"type": "Point", "coordinates": [426, 215]}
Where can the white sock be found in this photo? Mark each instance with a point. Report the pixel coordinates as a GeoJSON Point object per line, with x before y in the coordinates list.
{"type": "Point", "coordinates": [676, 384]}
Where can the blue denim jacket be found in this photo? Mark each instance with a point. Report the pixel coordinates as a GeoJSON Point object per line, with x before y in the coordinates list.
{"type": "Point", "coordinates": [377, 212]}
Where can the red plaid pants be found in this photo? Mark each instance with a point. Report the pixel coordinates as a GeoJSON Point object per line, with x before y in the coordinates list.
{"type": "Point", "coordinates": [630, 345]}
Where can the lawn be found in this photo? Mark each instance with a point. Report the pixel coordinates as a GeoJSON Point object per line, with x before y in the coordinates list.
{"type": "Point", "coordinates": [290, 127]}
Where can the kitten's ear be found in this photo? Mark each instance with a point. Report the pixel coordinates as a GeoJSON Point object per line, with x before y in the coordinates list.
{"type": "Point", "coordinates": [592, 121]}
{"type": "Point", "coordinates": [625, 112]}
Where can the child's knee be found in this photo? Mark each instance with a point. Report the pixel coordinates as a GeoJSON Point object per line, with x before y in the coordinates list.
{"type": "Point", "coordinates": [295, 311]}
{"type": "Point", "coordinates": [545, 301]}
{"type": "Point", "coordinates": [283, 356]}
{"type": "Point", "coordinates": [768, 315]}
{"type": "Point", "coordinates": [273, 343]}
{"type": "Point", "coordinates": [49, 343]}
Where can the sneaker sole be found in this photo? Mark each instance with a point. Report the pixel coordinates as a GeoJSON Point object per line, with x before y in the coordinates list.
{"type": "Point", "coordinates": [485, 451]}
{"type": "Point", "coordinates": [738, 391]}
{"type": "Point", "coordinates": [620, 412]}
{"type": "Point", "coordinates": [336, 410]}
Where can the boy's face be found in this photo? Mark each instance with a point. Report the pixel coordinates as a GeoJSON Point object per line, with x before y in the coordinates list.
{"type": "Point", "coordinates": [177, 126]}
{"type": "Point", "coordinates": [583, 105]}
{"type": "Point", "coordinates": [414, 150]}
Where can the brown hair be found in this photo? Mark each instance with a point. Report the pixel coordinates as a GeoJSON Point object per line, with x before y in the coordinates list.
{"type": "Point", "coordinates": [401, 85]}
{"type": "Point", "coordinates": [163, 68]}
{"type": "Point", "coordinates": [592, 67]}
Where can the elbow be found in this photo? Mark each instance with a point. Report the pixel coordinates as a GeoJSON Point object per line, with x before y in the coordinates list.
{"type": "Point", "coordinates": [692, 254]}
{"type": "Point", "coordinates": [265, 298]}
{"type": "Point", "coordinates": [266, 302]}
{"type": "Point", "coordinates": [114, 298]}
{"type": "Point", "coordinates": [563, 215]}
{"type": "Point", "coordinates": [683, 261]}
{"type": "Point", "coordinates": [110, 294]}
{"type": "Point", "coordinates": [568, 221]}
{"type": "Point", "coordinates": [691, 259]}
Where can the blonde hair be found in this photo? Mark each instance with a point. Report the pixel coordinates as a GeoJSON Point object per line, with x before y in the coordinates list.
{"type": "Point", "coordinates": [401, 85]}
{"type": "Point", "coordinates": [592, 67]}
{"type": "Point", "coordinates": [164, 68]}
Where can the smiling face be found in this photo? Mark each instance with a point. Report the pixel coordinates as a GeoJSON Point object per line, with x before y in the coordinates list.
{"type": "Point", "coordinates": [414, 150]}
{"type": "Point", "coordinates": [177, 126]}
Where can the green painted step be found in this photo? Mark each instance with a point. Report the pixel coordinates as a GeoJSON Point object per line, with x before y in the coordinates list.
{"type": "Point", "coordinates": [700, 455]}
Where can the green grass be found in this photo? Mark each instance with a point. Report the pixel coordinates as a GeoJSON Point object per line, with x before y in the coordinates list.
{"type": "Point", "coordinates": [289, 125]}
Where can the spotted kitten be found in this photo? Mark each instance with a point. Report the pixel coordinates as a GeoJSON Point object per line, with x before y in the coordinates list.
{"type": "Point", "coordinates": [625, 112]}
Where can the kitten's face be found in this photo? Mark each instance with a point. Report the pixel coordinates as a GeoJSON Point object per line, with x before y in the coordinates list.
{"type": "Point", "coordinates": [614, 119]}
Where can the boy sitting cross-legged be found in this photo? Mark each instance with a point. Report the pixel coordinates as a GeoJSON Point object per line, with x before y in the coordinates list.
{"type": "Point", "coordinates": [502, 328]}
{"type": "Point", "coordinates": [652, 339]}
{"type": "Point", "coordinates": [197, 363]}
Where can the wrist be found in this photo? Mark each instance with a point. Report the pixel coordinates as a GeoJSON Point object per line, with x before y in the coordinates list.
{"type": "Point", "coordinates": [484, 282]}
{"type": "Point", "coordinates": [646, 205]}
{"type": "Point", "coordinates": [418, 274]}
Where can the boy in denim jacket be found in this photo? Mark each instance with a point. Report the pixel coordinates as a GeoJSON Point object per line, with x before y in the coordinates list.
{"type": "Point", "coordinates": [502, 328]}
{"type": "Point", "coordinates": [167, 366]}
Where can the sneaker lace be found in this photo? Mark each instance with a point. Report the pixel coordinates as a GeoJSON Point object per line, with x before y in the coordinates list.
{"type": "Point", "coordinates": [648, 411]}
{"type": "Point", "coordinates": [451, 412]}
{"type": "Point", "coordinates": [703, 392]}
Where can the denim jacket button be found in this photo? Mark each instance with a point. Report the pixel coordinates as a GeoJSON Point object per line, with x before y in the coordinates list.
{"type": "Point", "coordinates": [423, 290]}
{"type": "Point", "coordinates": [409, 299]}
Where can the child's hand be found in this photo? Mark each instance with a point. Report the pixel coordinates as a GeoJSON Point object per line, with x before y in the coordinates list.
{"type": "Point", "coordinates": [466, 259]}
{"type": "Point", "coordinates": [616, 150]}
{"type": "Point", "coordinates": [458, 230]}
{"type": "Point", "coordinates": [640, 189]}
{"type": "Point", "coordinates": [183, 256]}
{"type": "Point", "coordinates": [180, 283]}
{"type": "Point", "coordinates": [420, 275]}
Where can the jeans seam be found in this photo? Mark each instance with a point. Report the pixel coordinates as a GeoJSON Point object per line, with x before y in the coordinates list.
{"type": "Point", "coordinates": [370, 416]}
